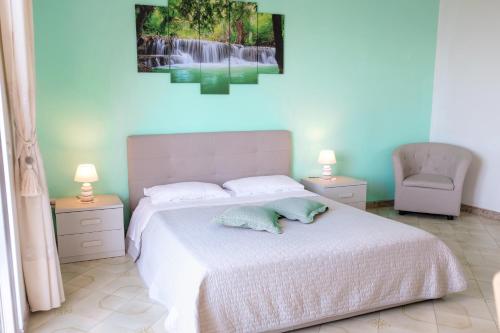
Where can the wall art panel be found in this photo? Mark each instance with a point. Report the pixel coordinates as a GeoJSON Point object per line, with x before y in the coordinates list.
{"type": "Point", "coordinates": [211, 42]}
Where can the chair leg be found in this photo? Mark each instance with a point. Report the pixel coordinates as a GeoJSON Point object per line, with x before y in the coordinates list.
{"type": "Point", "coordinates": [450, 217]}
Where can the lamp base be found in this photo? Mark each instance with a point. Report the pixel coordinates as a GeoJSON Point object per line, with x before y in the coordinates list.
{"type": "Point", "coordinates": [327, 173]}
{"type": "Point", "coordinates": [86, 199]}
{"type": "Point", "coordinates": [86, 193]}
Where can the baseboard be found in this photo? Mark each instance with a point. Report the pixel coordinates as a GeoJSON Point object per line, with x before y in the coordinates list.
{"type": "Point", "coordinates": [490, 214]}
{"type": "Point", "coordinates": [379, 204]}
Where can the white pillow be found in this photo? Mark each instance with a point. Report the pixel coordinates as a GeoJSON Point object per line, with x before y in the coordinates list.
{"type": "Point", "coordinates": [262, 185]}
{"type": "Point", "coordinates": [184, 192]}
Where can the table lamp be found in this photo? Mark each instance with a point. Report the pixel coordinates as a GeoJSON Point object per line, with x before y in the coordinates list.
{"type": "Point", "coordinates": [86, 174]}
{"type": "Point", "coordinates": [327, 158]}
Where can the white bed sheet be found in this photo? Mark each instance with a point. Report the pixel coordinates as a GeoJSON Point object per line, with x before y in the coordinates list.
{"type": "Point", "coordinates": [145, 209]}
{"type": "Point", "coordinates": [218, 279]}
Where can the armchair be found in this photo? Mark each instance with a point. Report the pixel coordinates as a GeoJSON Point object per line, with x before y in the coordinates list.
{"type": "Point", "coordinates": [429, 178]}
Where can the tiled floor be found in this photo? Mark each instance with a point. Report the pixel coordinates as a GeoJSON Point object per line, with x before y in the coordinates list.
{"type": "Point", "coordinates": [107, 296]}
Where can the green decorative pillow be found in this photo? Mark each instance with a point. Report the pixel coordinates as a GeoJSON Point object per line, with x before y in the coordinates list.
{"type": "Point", "coordinates": [252, 217]}
{"type": "Point", "coordinates": [300, 209]}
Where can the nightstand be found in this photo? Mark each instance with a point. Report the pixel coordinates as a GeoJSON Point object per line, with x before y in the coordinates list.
{"type": "Point", "coordinates": [87, 231]}
{"type": "Point", "coordinates": [343, 189]}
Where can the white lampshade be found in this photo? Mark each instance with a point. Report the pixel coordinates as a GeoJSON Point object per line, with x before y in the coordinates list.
{"type": "Point", "coordinates": [86, 173]}
{"type": "Point", "coordinates": [327, 157]}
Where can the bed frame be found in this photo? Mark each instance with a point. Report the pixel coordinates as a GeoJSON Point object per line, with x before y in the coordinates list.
{"type": "Point", "coordinates": [216, 158]}
{"type": "Point", "coordinates": [206, 157]}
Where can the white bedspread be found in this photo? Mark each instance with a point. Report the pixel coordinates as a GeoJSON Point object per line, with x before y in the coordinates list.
{"type": "Point", "coordinates": [219, 279]}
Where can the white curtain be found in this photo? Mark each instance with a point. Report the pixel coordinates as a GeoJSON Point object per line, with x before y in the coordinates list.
{"type": "Point", "coordinates": [41, 269]}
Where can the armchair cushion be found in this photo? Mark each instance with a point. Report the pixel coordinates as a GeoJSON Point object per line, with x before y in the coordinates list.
{"type": "Point", "coordinates": [437, 182]}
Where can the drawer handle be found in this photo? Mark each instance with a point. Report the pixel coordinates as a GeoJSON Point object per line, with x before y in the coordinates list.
{"type": "Point", "coordinates": [92, 243]}
{"type": "Point", "coordinates": [346, 195]}
{"type": "Point", "coordinates": [87, 222]}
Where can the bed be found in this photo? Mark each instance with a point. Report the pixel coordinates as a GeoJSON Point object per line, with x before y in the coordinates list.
{"type": "Point", "coordinates": [218, 279]}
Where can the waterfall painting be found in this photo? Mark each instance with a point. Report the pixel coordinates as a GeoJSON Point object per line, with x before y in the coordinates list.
{"type": "Point", "coordinates": [152, 39]}
{"type": "Point", "coordinates": [214, 44]}
{"type": "Point", "coordinates": [211, 42]}
{"type": "Point", "coordinates": [243, 38]}
{"type": "Point", "coordinates": [184, 37]}
{"type": "Point", "coordinates": [270, 33]}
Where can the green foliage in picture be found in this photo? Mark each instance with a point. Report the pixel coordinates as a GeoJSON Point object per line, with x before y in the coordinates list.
{"type": "Point", "coordinates": [211, 42]}
{"type": "Point", "coordinates": [243, 23]}
{"type": "Point", "coordinates": [183, 18]}
{"type": "Point", "coordinates": [265, 35]}
{"type": "Point", "coordinates": [157, 21]}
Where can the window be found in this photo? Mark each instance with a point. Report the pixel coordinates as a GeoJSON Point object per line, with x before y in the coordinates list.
{"type": "Point", "coordinates": [12, 297]}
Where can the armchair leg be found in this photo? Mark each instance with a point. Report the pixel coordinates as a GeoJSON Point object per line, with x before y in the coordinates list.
{"type": "Point", "coordinates": [450, 217]}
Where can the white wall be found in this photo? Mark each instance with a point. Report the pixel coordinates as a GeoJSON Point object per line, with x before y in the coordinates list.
{"type": "Point", "coordinates": [466, 106]}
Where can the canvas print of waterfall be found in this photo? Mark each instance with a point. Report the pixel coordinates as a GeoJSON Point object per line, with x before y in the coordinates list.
{"type": "Point", "coordinates": [215, 43]}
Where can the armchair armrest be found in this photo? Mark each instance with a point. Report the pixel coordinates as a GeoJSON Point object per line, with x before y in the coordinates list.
{"type": "Point", "coordinates": [461, 172]}
{"type": "Point", "coordinates": [397, 163]}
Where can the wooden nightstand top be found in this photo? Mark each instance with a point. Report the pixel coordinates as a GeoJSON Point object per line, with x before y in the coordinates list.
{"type": "Point", "coordinates": [339, 181]}
{"type": "Point", "coordinates": [73, 204]}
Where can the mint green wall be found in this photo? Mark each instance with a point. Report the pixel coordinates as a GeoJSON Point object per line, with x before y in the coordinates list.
{"type": "Point", "coordinates": [358, 79]}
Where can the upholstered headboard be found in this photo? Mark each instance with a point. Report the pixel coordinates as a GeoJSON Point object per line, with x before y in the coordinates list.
{"type": "Point", "coordinates": [207, 157]}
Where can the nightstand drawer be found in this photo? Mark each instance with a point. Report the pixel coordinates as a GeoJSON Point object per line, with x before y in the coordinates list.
{"type": "Point", "coordinates": [89, 221]}
{"type": "Point", "coordinates": [346, 194]}
{"type": "Point", "coordinates": [91, 243]}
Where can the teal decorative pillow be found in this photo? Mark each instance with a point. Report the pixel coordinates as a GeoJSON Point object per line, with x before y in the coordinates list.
{"type": "Point", "coordinates": [303, 210]}
{"type": "Point", "coordinates": [252, 217]}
